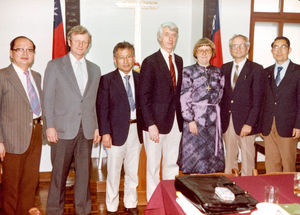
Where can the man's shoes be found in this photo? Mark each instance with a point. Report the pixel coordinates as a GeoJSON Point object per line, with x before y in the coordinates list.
{"type": "Point", "coordinates": [112, 213]}
{"type": "Point", "coordinates": [132, 211]}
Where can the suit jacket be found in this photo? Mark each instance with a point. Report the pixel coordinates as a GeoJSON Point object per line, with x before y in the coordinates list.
{"type": "Point", "coordinates": [282, 102]}
{"type": "Point", "coordinates": [65, 107]}
{"type": "Point", "coordinates": [159, 101]}
{"type": "Point", "coordinates": [113, 110]}
{"type": "Point", "coordinates": [245, 101]}
{"type": "Point", "coordinates": [15, 111]}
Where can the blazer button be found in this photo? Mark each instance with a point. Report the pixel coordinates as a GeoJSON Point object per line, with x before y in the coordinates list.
{"type": "Point", "coordinates": [275, 103]}
{"type": "Point", "coordinates": [231, 101]}
{"type": "Point", "coordinates": [79, 114]}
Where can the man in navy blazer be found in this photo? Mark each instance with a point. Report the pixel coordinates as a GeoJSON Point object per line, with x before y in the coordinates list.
{"type": "Point", "coordinates": [241, 105]}
{"type": "Point", "coordinates": [281, 113]}
{"type": "Point", "coordinates": [161, 77]}
{"type": "Point", "coordinates": [120, 124]}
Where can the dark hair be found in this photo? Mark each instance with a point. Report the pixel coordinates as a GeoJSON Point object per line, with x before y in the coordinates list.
{"type": "Point", "coordinates": [12, 43]}
{"type": "Point", "coordinates": [281, 38]}
{"type": "Point", "coordinates": [123, 45]}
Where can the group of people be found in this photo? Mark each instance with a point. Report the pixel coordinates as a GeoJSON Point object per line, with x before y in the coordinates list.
{"type": "Point", "coordinates": [178, 113]}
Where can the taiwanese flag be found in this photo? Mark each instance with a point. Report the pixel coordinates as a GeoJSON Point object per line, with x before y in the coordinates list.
{"type": "Point", "coordinates": [216, 38]}
{"type": "Point", "coordinates": [59, 45]}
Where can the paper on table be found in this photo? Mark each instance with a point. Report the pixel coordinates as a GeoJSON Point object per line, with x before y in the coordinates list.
{"type": "Point", "coordinates": [186, 205]}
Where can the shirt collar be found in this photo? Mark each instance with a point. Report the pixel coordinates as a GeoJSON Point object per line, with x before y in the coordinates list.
{"type": "Point", "coordinates": [123, 74]}
{"type": "Point", "coordinates": [74, 60]}
{"type": "Point", "coordinates": [19, 70]}
{"type": "Point", "coordinates": [284, 65]}
{"type": "Point", "coordinates": [165, 53]}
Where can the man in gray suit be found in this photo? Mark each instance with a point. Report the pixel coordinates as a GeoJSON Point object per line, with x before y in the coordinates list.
{"type": "Point", "coordinates": [20, 128]}
{"type": "Point", "coordinates": [70, 89]}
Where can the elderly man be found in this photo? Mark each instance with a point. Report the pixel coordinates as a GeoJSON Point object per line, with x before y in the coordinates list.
{"type": "Point", "coordinates": [70, 91]}
{"type": "Point", "coordinates": [20, 128]}
{"type": "Point", "coordinates": [161, 77]}
{"type": "Point", "coordinates": [241, 105]}
{"type": "Point", "coordinates": [281, 113]}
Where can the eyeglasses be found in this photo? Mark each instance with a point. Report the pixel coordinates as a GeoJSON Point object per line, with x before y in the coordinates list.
{"type": "Point", "coordinates": [236, 46]}
{"type": "Point", "coordinates": [283, 47]}
{"type": "Point", "coordinates": [79, 42]}
{"type": "Point", "coordinates": [204, 51]}
{"type": "Point", "coordinates": [21, 51]}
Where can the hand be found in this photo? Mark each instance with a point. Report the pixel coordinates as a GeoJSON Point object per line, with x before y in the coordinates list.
{"type": "Point", "coordinates": [2, 152]}
{"type": "Point", "coordinates": [51, 135]}
{"type": "Point", "coordinates": [193, 127]}
{"type": "Point", "coordinates": [153, 133]}
{"type": "Point", "coordinates": [97, 137]}
{"type": "Point", "coordinates": [106, 140]}
{"type": "Point", "coordinates": [296, 133]}
{"type": "Point", "coordinates": [246, 129]}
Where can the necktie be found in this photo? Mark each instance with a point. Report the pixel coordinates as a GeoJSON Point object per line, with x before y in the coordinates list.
{"type": "Point", "coordinates": [129, 93]}
{"type": "Point", "coordinates": [235, 75]}
{"type": "Point", "coordinates": [33, 97]}
{"type": "Point", "coordinates": [172, 71]}
{"type": "Point", "coordinates": [278, 79]}
{"type": "Point", "coordinates": [80, 77]}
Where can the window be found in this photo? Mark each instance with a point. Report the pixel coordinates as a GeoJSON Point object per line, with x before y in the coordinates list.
{"type": "Point", "coordinates": [269, 19]}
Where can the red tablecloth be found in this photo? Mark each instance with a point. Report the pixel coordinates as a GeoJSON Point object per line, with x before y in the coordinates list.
{"type": "Point", "coordinates": [163, 200]}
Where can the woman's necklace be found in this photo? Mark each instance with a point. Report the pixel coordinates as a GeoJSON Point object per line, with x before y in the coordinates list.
{"type": "Point", "coordinates": [208, 88]}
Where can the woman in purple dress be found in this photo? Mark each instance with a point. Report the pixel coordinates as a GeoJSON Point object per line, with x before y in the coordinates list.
{"type": "Point", "coordinates": [201, 148]}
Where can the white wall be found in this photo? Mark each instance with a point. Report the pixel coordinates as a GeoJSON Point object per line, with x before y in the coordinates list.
{"type": "Point", "coordinates": [109, 24]}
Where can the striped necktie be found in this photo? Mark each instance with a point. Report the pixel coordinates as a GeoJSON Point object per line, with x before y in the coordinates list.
{"type": "Point", "coordinates": [278, 79]}
{"type": "Point", "coordinates": [129, 93]}
{"type": "Point", "coordinates": [33, 97]}
{"type": "Point", "coordinates": [172, 71]}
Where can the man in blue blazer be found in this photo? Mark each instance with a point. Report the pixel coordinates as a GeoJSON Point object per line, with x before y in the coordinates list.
{"type": "Point", "coordinates": [120, 124]}
{"type": "Point", "coordinates": [241, 105]}
{"type": "Point", "coordinates": [281, 113]}
{"type": "Point", "coordinates": [161, 77]}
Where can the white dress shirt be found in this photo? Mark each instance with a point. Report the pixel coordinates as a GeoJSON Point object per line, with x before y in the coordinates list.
{"type": "Point", "coordinates": [81, 77]}
{"type": "Point", "coordinates": [165, 54]}
{"type": "Point", "coordinates": [241, 65]}
{"type": "Point", "coordinates": [283, 71]}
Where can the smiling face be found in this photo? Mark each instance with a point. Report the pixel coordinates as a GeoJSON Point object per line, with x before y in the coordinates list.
{"type": "Point", "coordinates": [168, 39]}
{"type": "Point", "coordinates": [280, 51]}
{"type": "Point", "coordinates": [239, 49]}
{"type": "Point", "coordinates": [124, 60]}
{"type": "Point", "coordinates": [204, 54]}
{"type": "Point", "coordinates": [22, 53]}
{"type": "Point", "coordinates": [79, 43]}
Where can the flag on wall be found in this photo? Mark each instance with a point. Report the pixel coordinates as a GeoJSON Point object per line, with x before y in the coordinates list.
{"type": "Point", "coordinates": [216, 38]}
{"type": "Point", "coordinates": [59, 45]}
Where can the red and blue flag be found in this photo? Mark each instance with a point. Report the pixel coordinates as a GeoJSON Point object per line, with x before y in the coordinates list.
{"type": "Point", "coordinates": [59, 44]}
{"type": "Point", "coordinates": [216, 38]}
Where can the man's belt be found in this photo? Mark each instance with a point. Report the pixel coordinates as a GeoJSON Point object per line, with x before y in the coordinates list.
{"type": "Point", "coordinates": [132, 121]}
{"type": "Point", "coordinates": [37, 121]}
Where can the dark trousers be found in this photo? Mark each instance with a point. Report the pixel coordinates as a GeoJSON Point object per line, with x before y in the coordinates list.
{"type": "Point", "coordinates": [21, 175]}
{"type": "Point", "coordinates": [62, 153]}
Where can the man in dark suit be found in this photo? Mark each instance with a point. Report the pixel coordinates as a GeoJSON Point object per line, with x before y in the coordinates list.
{"type": "Point", "coordinates": [20, 128]}
{"type": "Point", "coordinates": [161, 77]}
{"type": "Point", "coordinates": [120, 125]}
{"type": "Point", "coordinates": [241, 105]}
{"type": "Point", "coordinates": [281, 113]}
{"type": "Point", "coordinates": [70, 91]}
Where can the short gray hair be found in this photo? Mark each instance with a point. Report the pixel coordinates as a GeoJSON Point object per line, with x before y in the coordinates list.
{"type": "Point", "coordinates": [239, 35]}
{"type": "Point", "coordinates": [171, 25]}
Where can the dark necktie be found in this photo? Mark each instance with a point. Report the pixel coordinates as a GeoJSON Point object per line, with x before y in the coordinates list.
{"type": "Point", "coordinates": [129, 93]}
{"type": "Point", "coordinates": [235, 75]}
{"type": "Point", "coordinates": [33, 97]}
{"type": "Point", "coordinates": [278, 79]}
{"type": "Point", "coordinates": [172, 71]}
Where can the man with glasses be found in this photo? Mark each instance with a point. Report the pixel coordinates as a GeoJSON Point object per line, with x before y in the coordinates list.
{"type": "Point", "coordinates": [20, 128]}
{"type": "Point", "coordinates": [241, 105]}
{"type": "Point", "coordinates": [281, 118]}
{"type": "Point", "coordinates": [70, 90]}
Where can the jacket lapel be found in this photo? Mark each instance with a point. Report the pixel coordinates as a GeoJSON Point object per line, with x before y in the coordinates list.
{"type": "Point", "coordinates": [118, 84]}
{"type": "Point", "coordinates": [14, 79]}
{"type": "Point", "coordinates": [244, 74]}
{"type": "Point", "coordinates": [69, 74]}
{"type": "Point", "coordinates": [164, 67]}
{"type": "Point", "coordinates": [288, 75]}
{"type": "Point", "coordinates": [90, 77]}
